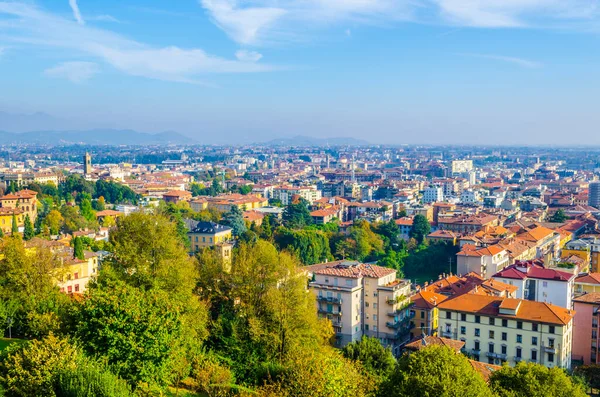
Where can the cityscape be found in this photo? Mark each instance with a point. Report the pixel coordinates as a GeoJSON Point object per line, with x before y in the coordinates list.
{"type": "Point", "coordinates": [299, 198]}
{"type": "Point", "coordinates": [492, 253]}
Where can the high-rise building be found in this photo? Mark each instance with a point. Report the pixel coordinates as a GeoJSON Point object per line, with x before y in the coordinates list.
{"type": "Point", "coordinates": [363, 300]}
{"type": "Point", "coordinates": [594, 195]}
{"type": "Point", "coordinates": [87, 164]}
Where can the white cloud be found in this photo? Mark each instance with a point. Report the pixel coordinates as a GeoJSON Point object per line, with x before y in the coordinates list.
{"type": "Point", "coordinates": [258, 22]}
{"type": "Point", "coordinates": [77, 72]}
{"type": "Point", "coordinates": [76, 12]}
{"type": "Point", "coordinates": [104, 18]}
{"type": "Point", "coordinates": [525, 63]}
{"type": "Point", "coordinates": [36, 27]}
{"type": "Point", "coordinates": [248, 56]}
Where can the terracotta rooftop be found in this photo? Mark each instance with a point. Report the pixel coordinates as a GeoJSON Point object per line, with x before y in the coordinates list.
{"type": "Point", "coordinates": [422, 342]}
{"type": "Point", "coordinates": [350, 269]}
{"type": "Point", "coordinates": [588, 278]}
{"type": "Point", "coordinates": [542, 312]}
{"type": "Point", "coordinates": [590, 297]}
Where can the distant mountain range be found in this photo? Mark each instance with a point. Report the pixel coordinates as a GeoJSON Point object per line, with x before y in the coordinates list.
{"type": "Point", "coordinates": [95, 137]}
{"type": "Point", "coordinates": [311, 141]}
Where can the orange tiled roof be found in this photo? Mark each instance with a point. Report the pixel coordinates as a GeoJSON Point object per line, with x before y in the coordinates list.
{"type": "Point", "coordinates": [542, 312]}
{"type": "Point", "coordinates": [589, 278]}
{"type": "Point", "coordinates": [351, 269]}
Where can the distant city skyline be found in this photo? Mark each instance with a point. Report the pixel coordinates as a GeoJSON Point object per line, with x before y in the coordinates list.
{"type": "Point", "coordinates": [231, 71]}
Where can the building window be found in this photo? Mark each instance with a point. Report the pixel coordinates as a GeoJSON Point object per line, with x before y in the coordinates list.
{"type": "Point", "coordinates": [503, 349]}
{"type": "Point", "coordinates": [504, 323]}
{"type": "Point", "coordinates": [203, 239]}
{"type": "Point", "coordinates": [492, 321]}
{"type": "Point", "coordinates": [422, 325]}
{"type": "Point", "coordinates": [550, 357]}
{"type": "Point", "coordinates": [75, 276]}
{"type": "Point", "coordinates": [519, 338]}
{"type": "Point", "coordinates": [374, 317]}
{"type": "Point", "coordinates": [504, 336]}
{"type": "Point", "coordinates": [491, 334]}
{"type": "Point", "coordinates": [476, 331]}
{"type": "Point", "coordinates": [374, 305]}
{"type": "Point", "coordinates": [534, 340]}
{"type": "Point", "coordinates": [69, 289]}
{"type": "Point", "coordinates": [545, 284]}
{"type": "Point", "coordinates": [76, 287]}
{"type": "Point", "coordinates": [448, 315]}
{"type": "Point", "coordinates": [534, 355]}
{"type": "Point", "coordinates": [375, 328]}
{"type": "Point", "coordinates": [491, 348]}
{"type": "Point", "coordinates": [463, 317]}
{"type": "Point", "coordinates": [422, 314]}
{"type": "Point", "coordinates": [477, 319]}
{"type": "Point", "coordinates": [551, 343]}
{"type": "Point", "coordinates": [519, 324]}
{"type": "Point", "coordinates": [463, 330]}
{"type": "Point", "coordinates": [476, 345]}
{"type": "Point", "coordinates": [551, 329]}
{"type": "Point", "coordinates": [366, 327]}
{"type": "Point", "coordinates": [534, 327]}
{"type": "Point", "coordinates": [518, 352]}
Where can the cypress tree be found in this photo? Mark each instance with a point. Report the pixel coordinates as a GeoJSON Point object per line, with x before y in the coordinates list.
{"type": "Point", "coordinates": [28, 231]}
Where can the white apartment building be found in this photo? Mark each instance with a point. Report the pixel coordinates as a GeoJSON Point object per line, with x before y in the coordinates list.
{"type": "Point", "coordinates": [285, 193]}
{"type": "Point", "coordinates": [461, 166]}
{"type": "Point", "coordinates": [537, 283]}
{"type": "Point", "coordinates": [470, 197]}
{"type": "Point", "coordinates": [433, 194]}
{"type": "Point", "coordinates": [362, 299]}
{"type": "Point", "coordinates": [485, 261]}
{"type": "Point", "coordinates": [501, 330]}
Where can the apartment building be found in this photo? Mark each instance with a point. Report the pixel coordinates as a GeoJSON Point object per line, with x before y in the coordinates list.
{"type": "Point", "coordinates": [485, 261]}
{"type": "Point", "coordinates": [585, 332]}
{"type": "Point", "coordinates": [362, 299]}
{"type": "Point", "coordinates": [433, 194]}
{"type": "Point", "coordinates": [537, 283]}
{"type": "Point", "coordinates": [501, 330]}
{"type": "Point", "coordinates": [24, 200]}
{"type": "Point", "coordinates": [286, 193]}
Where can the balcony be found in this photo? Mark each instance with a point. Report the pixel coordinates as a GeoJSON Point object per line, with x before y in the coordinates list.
{"type": "Point", "coordinates": [550, 349]}
{"type": "Point", "coordinates": [475, 352]}
{"type": "Point", "coordinates": [330, 299]}
{"type": "Point", "coordinates": [496, 355]}
{"type": "Point", "coordinates": [447, 334]}
{"type": "Point", "coordinates": [325, 311]}
{"type": "Point", "coordinates": [517, 359]}
{"type": "Point", "coordinates": [393, 325]}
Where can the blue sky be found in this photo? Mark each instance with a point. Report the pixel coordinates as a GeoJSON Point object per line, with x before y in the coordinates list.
{"type": "Point", "coordinates": [388, 71]}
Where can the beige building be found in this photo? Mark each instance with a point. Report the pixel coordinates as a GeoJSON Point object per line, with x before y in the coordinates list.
{"type": "Point", "coordinates": [208, 234]}
{"type": "Point", "coordinates": [362, 299]}
{"type": "Point", "coordinates": [501, 330]}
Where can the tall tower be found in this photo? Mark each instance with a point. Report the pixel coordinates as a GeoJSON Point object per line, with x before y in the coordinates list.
{"type": "Point", "coordinates": [87, 164]}
{"type": "Point", "coordinates": [594, 195]}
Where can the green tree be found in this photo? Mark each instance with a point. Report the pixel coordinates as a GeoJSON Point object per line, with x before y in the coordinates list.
{"type": "Point", "coordinates": [28, 232]}
{"type": "Point", "coordinates": [86, 209]}
{"type": "Point", "coordinates": [374, 358]}
{"type": "Point", "coordinates": [141, 334]}
{"type": "Point", "coordinates": [297, 216]}
{"type": "Point", "coordinates": [30, 370]}
{"type": "Point", "coordinates": [15, 226]}
{"type": "Point", "coordinates": [78, 248]}
{"type": "Point", "coordinates": [235, 219]}
{"type": "Point", "coordinates": [1, 233]}
{"type": "Point", "coordinates": [159, 260]}
{"type": "Point", "coordinates": [533, 380]}
{"type": "Point", "coordinates": [559, 216]}
{"type": "Point", "coordinates": [310, 246]}
{"type": "Point", "coordinates": [90, 380]}
{"type": "Point", "coordinates": [420, 228]}
{"type": "Point", "coordinates": [434, 371]}
{"type": "Point", "coordinates": [54, 221]}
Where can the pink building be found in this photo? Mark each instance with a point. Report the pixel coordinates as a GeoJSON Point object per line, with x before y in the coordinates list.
{"type": "Point", "coordinates": [585, 328]}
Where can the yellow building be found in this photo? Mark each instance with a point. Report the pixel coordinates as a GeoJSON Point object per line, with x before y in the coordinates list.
{"type": "Point", "coordinates": [78, 272]}
{"type": "Point", "coordinates": [208, 234]}
{"type": "Point", "coordinates": [587, 282]}
{"type": "Point", "coordinates": [425, 311]}
{"type": "Point", "coordinates": [24, 200]}
{"type": "Point", "coordinates": [225, 202]}
{"type": "Point", "coordinates": [6, 219]}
